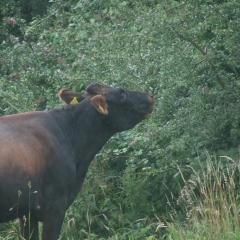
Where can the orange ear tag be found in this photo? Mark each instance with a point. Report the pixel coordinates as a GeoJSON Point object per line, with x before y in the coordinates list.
{"type": "Point", "coordinates": [74, 101]}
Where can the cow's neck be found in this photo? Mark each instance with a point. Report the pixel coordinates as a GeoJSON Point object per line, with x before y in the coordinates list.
{"type": "Point", "coordinates": [91, 133]}
{"type": "Point", "coordinates": [85, 132]}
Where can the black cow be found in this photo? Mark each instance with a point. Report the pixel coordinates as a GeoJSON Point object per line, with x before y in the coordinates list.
{"type": "Point", "coordinates": [44, 156]}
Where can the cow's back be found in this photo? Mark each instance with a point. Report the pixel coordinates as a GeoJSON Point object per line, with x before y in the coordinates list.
{"type": "Point", "coordinates": [23, 141]}
{"type": "Point", "coordinates": [25, 154]}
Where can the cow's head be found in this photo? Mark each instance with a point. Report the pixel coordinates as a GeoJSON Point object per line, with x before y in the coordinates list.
{"type": "Point", "coordinates": [120, 109]}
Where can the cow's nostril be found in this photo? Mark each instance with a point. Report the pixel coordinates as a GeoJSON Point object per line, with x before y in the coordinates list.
{"type": "Point", "coordinates": [151, 103]}
{"type": "Point", "coordinates": [151, 99]}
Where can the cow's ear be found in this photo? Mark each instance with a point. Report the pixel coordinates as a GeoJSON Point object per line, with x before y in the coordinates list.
{"type": "Point", "coordinates": [70, 97]}
{"type": "Point", "coordinates": [95, 89]}
{"type": "Point", "coordinates": [100, 104]}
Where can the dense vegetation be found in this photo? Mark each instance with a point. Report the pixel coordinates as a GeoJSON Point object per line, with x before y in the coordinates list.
{"type": "Point", "coordinates": [175, 176]}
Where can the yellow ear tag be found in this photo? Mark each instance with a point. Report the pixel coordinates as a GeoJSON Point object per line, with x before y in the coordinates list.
{"type": "Point", "coordinates": [74, 101]}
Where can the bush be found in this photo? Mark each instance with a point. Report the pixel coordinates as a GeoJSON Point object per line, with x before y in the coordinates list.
{"type": "Point", "coordinates": [185, 52]}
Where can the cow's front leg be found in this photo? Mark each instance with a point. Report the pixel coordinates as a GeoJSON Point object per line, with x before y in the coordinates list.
{"type": "Point", "coordinates": [52, 225]}
{"type": "Point", "coordinates": [29, 228]}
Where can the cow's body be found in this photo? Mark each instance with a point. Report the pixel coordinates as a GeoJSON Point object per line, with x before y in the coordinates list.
{"type": "Point", "coordinates": [44, 157]}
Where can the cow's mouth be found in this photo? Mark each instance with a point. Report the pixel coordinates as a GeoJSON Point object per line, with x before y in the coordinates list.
{"type": "Point", "coordinates": [151, 102]}
{"type": "Point", "coordinates": [148, 108]}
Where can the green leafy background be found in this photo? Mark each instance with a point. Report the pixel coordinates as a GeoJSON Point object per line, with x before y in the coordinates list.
{"type": "Point", "coordinates": [185, 52]}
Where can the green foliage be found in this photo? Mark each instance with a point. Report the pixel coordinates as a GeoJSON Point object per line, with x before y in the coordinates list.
{"type": "Point", "coordinates": [185, 52]}
{"type": "Point", "coordinates": [211, 201]}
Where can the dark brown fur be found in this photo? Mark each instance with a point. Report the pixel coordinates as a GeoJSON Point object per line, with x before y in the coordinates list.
{"type": "Point", "coordinates": [44, 156]}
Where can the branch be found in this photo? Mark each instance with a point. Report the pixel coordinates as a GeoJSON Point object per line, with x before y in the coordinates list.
{"type": "Point", "coordinates": [4, 98]}
{"type": "Point", "coordinates": [202, 51]}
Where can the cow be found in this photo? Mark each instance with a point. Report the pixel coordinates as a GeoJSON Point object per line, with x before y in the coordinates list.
{"type": "Point", "coordinates": [45, 155]}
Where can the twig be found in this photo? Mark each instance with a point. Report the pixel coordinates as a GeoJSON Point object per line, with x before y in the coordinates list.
{"type": "Point", "coordinates": [4, 99]}
{"type": "Point", "coordinates": [202, 51]}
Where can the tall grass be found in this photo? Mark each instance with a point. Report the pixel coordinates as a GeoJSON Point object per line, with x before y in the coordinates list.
{"type": "Point", "coordinates": [211, 199]}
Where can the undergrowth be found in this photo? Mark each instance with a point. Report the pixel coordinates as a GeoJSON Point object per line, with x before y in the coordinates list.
{"type": "Point", "coordinates": [211, 198]}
